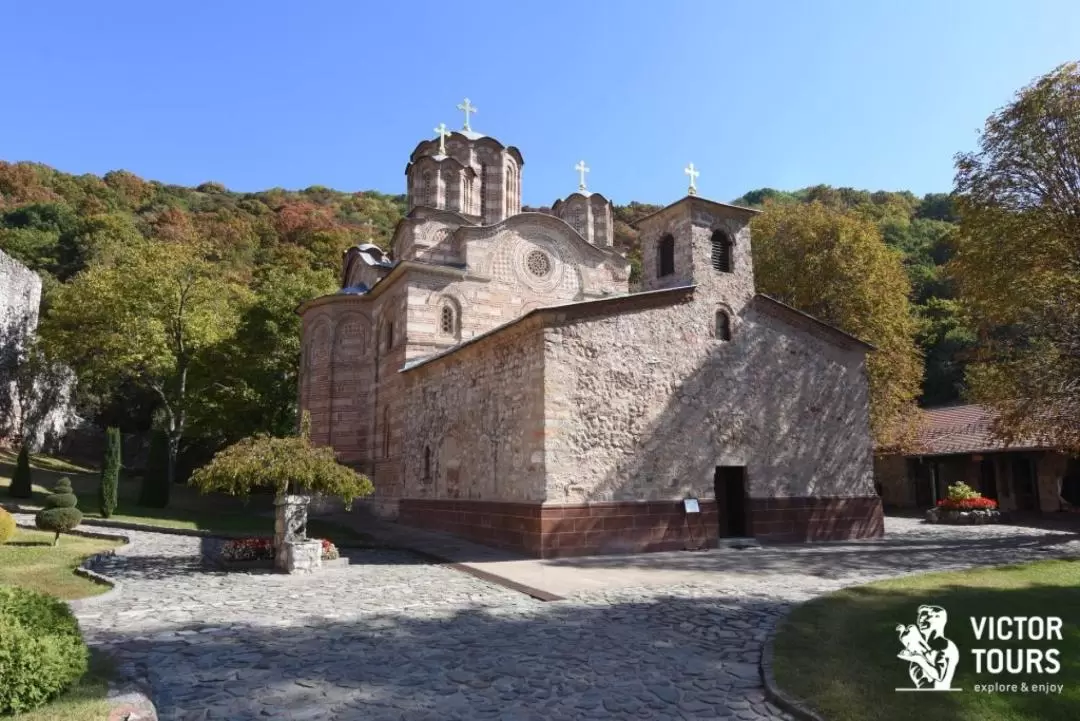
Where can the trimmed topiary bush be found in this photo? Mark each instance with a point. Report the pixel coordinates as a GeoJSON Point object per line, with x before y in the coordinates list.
{"type": "Point", "coordinates": [110, 473]}
{"type": "Point", "coordinates": [41, 649]}
{"type": "Point", "coordinates": [7, 526]}
{"type": "Point", "coordinates": [154, 491]}
{"type": "Point", "coordinates": [21, 483]}
{"type": "Point", "coordinates": [60, 514]}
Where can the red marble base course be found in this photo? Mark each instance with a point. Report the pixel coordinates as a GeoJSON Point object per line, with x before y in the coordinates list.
{"type": "Point", "coordinates": [817, 519]}
{"type": "Point", "coordinates": [632, 527]}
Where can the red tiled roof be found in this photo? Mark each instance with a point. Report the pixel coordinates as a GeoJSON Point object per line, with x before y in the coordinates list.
{"type": "Point", "coordinates": [962, 429]}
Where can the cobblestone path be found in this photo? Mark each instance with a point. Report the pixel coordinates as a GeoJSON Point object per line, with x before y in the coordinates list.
{"type": "Point", "coordinates": [393, 637]}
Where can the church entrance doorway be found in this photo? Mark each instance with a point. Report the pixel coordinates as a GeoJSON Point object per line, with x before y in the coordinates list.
{"type": "Point", "coordinates": [729, 484]}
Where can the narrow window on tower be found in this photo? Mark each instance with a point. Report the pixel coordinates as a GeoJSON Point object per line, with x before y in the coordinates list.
{"type": "Point", "coordinates": [665, 256]}
{"type": "Point", "coordinates": [721, 252]}
{"type": "Point", "coordinates": [386, 432]}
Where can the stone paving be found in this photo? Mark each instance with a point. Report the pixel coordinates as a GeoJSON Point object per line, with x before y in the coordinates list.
{"type": "Point", "coordinates": [393, 637]}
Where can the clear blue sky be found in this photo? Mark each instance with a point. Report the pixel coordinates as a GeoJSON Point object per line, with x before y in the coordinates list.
{"type": "Point", "coordinates": [875, 95]}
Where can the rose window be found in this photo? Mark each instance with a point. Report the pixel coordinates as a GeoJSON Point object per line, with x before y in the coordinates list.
{"type": "Point", "coordinates": [538, 263]}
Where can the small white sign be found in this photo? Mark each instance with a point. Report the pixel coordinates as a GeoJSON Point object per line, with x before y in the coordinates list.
{"type": "Point", "coordinates": [691, 505]}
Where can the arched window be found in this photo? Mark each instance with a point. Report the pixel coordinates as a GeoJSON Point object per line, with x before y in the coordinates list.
{"type": "Point", "coordinates": [427, 463]}
{"type": "Point", "coordinates": [721, 252]}
{"type": "Point", "coordinates": [723, 325]}
{"type": "Point", "coordinates": [665, 256]}
{"type": "Point", "coordinates": [483, 191]}
{"type": "Point", "coordinates": [448, 320]}
{"type": "Point", "coordinates": [386, 432]}
{"type": "Point", "coordinates": [427, 190]}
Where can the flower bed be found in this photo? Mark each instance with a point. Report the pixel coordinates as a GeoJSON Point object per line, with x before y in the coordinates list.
{"type": "Point", "coordinates": [964, 506]}
{"type": "Point", "coordinates": [262, 549]}
{"type": "Point", "coordinates": [967, 504]}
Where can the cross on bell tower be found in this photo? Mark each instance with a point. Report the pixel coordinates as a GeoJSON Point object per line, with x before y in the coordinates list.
{"type": "Point", "coordinates": [689, 170]}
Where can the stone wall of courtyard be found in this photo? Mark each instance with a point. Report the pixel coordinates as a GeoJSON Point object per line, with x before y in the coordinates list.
{"type": "Point", "coordinates": [20, 297]}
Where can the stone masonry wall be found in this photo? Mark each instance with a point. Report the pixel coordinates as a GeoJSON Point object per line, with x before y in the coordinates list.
{"type": "Point", "coordinates": [645, 405]}
{"type": "Point", "coordinates": [477, 431]}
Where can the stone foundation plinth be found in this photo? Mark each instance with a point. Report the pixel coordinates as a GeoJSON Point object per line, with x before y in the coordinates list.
{"type": "Point", "coordinates": [549, 531]}
{"type": "Point", "coordinates": [300, 556]}
{"type": "Point", "coordinates": [568, 530]}
{"type": "Point", "coordinates": [813, 518]}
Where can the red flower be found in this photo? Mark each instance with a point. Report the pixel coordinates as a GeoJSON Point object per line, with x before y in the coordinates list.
{"type": "Point", "coordinates": [968, 504]}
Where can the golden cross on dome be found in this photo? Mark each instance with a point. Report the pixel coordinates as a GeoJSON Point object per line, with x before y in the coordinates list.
{"type": "Point", "coordinates": [443, 133]}
{"type": "Point", "coordinates": [582, 169]}
{"type": "Point", "coordinates": [467, 107]}
{"type": "Point", "coordinates": [689, 170]}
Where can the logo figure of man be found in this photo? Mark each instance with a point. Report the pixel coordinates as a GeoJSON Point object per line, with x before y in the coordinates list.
{"type": "Point", "coordinates": [931, 656]}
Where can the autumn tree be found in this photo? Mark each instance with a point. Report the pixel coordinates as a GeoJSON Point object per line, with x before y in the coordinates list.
{"type": "Point", "coordinates": [834, 265]}
{"type": "Point", "coordinates": [1017, 263]}
{"type": "Point", "coordinates": [146, 316]}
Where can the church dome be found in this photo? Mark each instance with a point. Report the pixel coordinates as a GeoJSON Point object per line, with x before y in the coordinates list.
{"type": "Point", "coordinates": [467, 172]}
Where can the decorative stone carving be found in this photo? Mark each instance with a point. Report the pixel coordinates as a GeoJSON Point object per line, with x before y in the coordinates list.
{"type": "Point", "coordinates": [290, 526]}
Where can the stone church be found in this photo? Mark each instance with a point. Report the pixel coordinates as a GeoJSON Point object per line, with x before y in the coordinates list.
{"type": "Point", "coordinates": [497, 380]}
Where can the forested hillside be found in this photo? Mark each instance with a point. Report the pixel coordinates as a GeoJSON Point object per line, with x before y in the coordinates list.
{"type": "Point", "coordinates": [275, 248]}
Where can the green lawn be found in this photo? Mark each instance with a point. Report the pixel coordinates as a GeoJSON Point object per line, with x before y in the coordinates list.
{"type": "Point", "coordinates": [839, 652]}
{"type": "Point", "coordinates": [31, 561]}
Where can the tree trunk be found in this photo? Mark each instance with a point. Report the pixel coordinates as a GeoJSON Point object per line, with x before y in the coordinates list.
{"type": "Point", "coordinates": [56, 540]}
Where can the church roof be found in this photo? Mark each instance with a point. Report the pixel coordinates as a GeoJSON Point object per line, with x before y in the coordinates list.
{"type": "Point", "coordinates": [817, 322]}
{"type": "Point", "coordinates": [962, 429]}
{"type": "Point", "coordinates": [695, 199]}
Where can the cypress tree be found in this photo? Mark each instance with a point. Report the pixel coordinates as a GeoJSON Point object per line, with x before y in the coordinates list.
{"type": "Point", "coordinates": [154, 491]}
{"type": "Point", "coordinates": [110, 473]}
{"type": "Point", "coordinates": [21, 484]}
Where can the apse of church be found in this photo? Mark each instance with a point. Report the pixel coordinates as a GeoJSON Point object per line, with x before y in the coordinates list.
{"type": "Point", "coordinates": [497, 379]}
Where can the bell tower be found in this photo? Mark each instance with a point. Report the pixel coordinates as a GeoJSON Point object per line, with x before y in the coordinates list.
{"type": "Point", "coordinates": [699, 242]}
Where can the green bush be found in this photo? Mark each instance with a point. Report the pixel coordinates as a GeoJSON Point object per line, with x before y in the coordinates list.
{"type": "Point", "coordinates": [110, 473]}
{"type": "Point", "coordinates": [60, 514]}
{"type": "Point", "coordinates": [21, 483]}
{"type": "Point", "coordinates": [41, 649]}
{"type": "Point", "coordinates": [962, 492]}
{"type": "Point", "coordinates": [288, 465]}
{"type": "Point", "coordinates": [154, 491]}
{"type": "Point", "coordinates": [7, 526]}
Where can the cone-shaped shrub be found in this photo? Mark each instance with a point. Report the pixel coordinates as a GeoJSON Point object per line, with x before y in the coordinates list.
{"type": "Point", "coordinates": [60, 514]}
{"type": "Point", "coordinates": [154, 492]}
{"type": "Point", "coordinates": [110, 473]}
{"type": "Point", "coordinates": [21, 485]}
